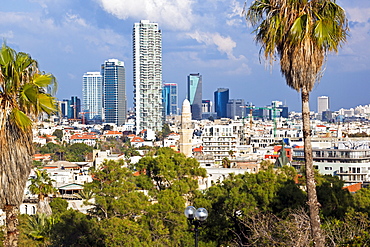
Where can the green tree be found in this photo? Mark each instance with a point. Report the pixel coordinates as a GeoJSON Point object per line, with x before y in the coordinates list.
{"type": "Point", "coordinates": [170, 179]}
{"type": "Point", "coordinates": [232, 201]}
{"type": "Point", "coordinates": [58, 205]}
{"type": "Point", "coordinates": [300, 33]}
{"type": "Point", "coordinates": [58, 133]}
{"type": "Point", "coordinates": [171, 170]}
{"type": "Point", "coordinates": [119, 232]}
{"type": "Point", "coordinates": [334, 200]}
{"type": "Point", "coordinates": [361, 200]}
{"type": "Point", "coordinates": [23, 97]}
{"type": "Point", "coordinates": [77, 152]}
{"type": "Point", "coordinates": [76, 229]}
{"type": "Point", "coordinates": [42, 185]}
{"type": "Point", "coordinates": [115, 193]}
{"type": "Point", "coordinates": [38, 228]}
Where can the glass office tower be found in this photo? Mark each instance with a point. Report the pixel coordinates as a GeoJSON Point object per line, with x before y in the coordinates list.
{"type": "Point", "coordinates": [170, 98]}
{"type": "Point", "coordinates": [195, 95]}
{"type": "Point", "coordinates": [114, 91]}
{"type": "Point", "coordinates": [221, 99]}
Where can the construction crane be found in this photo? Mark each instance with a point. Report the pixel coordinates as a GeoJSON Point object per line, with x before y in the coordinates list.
{"type": "Point", "coordinates": [273, 108]}
{"type": "Point", "coordinates": [83, 116]}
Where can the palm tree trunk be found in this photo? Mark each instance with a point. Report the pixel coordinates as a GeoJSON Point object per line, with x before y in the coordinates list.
{"type": "Point", "coordinates": [310, 176]}
{"type": "Point", "coordinates": [43, 207]}
{"type": "Point", "coordinates": [12, 233]}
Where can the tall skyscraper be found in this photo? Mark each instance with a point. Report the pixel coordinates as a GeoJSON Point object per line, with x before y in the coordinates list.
{"type": "Point", "coordinates": [114, 91]}
{"type": "Point", "coordinates": [221, 99]}
{"type": "Point", "coordinates": [92, 95]}
{"type": "Point", "coordinates": [74, 107]}
{"type": "Point", "coordinates": [195, 95]}
{"type": "Point", "coordinates": [63, 108]}
{"type": "Point", "coordinates": [322, 104]}
{"type": "Point", "coordinates": [147, 61]}
{"type": "Point", "coordinates": [170, 98]}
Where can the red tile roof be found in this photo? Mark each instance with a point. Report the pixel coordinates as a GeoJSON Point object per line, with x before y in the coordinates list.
{"type": "Point", "coordinates": [83, 137]}
{"type": "Point", "coordinates": [353, 187]}
{"type": "Point", "coordinates": [137, 139]}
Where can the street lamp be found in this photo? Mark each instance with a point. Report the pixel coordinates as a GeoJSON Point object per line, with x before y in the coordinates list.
{"type": "Point", "coordinates": [196, 218]}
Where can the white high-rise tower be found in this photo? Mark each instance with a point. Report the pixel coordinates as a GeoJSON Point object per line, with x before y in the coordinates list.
{"type": "Point", "coordinates": [92, 92]}
{"type": "Point", "coordinates": [147, 61]}
{"type": "Point", "coordinates": [322, 104]}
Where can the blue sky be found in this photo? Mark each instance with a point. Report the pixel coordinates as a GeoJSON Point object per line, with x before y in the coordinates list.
{"type": "Point", "coordinates": [71, 37]}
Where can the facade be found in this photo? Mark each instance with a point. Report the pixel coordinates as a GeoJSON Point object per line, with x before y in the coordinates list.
{"type": "Point", "coordinates": [114, 92]}
{"type": "Point", "coordinates": [63, 108]}
{"type": "Point", "coordinates": [206, 105]}
{"type": "Point", "coordinates": [322, 104]}
{"type": "Point", "coordinates": [218, 140]}
{"type": "Point", "coordinates": [235, 108]}
{"type": "Point", "coordinates": [195, 95]}
{"type": "Point", "coordinates": [147, 61]}
{"type": "Point", "coordinates": [92, 95]}
{"type": "Point", "coordinates": [221, 99]}
{"type": "Point", "coordinates": [350, 161]}
{"type": "Point", "coordinates": [170, 99]}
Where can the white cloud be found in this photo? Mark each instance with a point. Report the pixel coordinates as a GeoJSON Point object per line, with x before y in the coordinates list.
{"type": "Point", "coordinates": [224, 44]}
{"type": "Point", "coordinates": [173, 14]}
{"type": "Point", "coordinates": [7, 35]}
{"type": "Point", "coordinates": [358, 14]}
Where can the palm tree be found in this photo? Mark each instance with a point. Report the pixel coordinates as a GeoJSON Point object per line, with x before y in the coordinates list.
{"type": "Point", "coordinates": [38, 227]}
{"type": "Point", "coordinates": [23, 97]}
{"type": "Point", "coordinates": [300, 33]}
{"type": "Point", "coordinates": [42, 185]}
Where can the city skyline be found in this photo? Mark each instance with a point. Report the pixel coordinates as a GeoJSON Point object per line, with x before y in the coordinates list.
{"type": "Point", "coordinates": [208, 37]}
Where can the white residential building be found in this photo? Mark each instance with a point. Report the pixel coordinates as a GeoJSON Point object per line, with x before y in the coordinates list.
{"type": "Point", "coordinates": [147, 61]}
{"type": "Point", "coordinates": [92, 95]}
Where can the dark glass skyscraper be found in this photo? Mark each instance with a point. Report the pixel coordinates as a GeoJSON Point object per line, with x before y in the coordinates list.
{"type": "Point", "coordinates": [74, 107]}
{"type": "Point", "coordinates": [221, 99]}
{"type": "Point", "coordinates": [169, 95]}
{"type": "Point", "coordinates": [114, 92]}
{"type": "Point", "coordinates": [195, 95]}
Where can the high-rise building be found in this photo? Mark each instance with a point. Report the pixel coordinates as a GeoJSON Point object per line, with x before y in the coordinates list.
{"type": "Point", "coordinates": [221, 99]}
{"type": "Point", "coordinates": [114, 91]}
{"type": "Point", "coordinates": [74, 107]}
{"type": "Point", "coordinates": [206, 105]}
{"type": "Point", "coordinates": [169, 98]}
{"type": "Point", "coordinates": [322, 104]}
{"type": "Point", "coordinates": [235, 108]}
{"type": "Point", "coordinates": [195, 95]}
{"type": "Point", "coordinates": [63, 108]}
{"type": "Point", "coordinates": [92, 96]}
{"type": "Point", "coordinates": [147, 61]}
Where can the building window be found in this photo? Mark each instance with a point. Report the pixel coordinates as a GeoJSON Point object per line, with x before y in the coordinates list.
{"type": "Point", "coordinates": [328, 168]}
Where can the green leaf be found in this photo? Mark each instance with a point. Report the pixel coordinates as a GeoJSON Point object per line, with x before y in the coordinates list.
{"type": "Point", "coordinates": [47, 103]}
{"type": "Point", "coordinates": [29, 93]}
{"type": "Point", "coordinates": [21, 119]}
{"type": "Point", "coordinates": [42, 80]}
